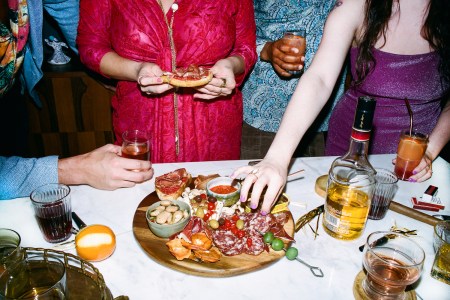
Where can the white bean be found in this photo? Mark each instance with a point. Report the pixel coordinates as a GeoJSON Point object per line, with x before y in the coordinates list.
{"type": "Point", "coordinates": [172, 208]}
{"type": "Point", "coordinates": [163, 217]}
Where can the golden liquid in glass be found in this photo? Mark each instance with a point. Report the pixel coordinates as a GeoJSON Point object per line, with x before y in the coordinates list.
{"type": "Point", "coordinates": [441, 266]}
{"type": "Point", "coordinates": [346, 211]}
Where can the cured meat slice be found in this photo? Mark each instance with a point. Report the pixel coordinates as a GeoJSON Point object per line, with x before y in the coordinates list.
{"type": "Point", "coordinates": [257, 245]}
{"type": "Point", "coordinates": [228, 243]}
{"type": "Point", "coordinates": [171, 185]}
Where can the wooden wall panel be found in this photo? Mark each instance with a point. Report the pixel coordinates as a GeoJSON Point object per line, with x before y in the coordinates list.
{"type": "Point", "coordinates": [75, 116]}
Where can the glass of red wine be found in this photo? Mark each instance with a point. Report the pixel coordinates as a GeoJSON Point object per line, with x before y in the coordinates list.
{"type": "Point", "coordinates": [136, 145]}
{"type": "Point", "coordinates": [393, 262]}
{"type": "Point", "coordinates": [53, 211]}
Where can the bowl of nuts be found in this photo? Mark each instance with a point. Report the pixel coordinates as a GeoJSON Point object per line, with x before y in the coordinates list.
{"type": "Point", "coordinates": [168, 217]}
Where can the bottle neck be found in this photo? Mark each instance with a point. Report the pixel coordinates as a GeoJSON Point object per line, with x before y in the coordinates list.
{"type": "Point", "coordinates": [359, 144]}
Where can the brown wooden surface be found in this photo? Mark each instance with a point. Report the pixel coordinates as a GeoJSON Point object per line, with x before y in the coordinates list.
{"type": "Point", "coordinates": [75, 116]}
{"type": "Point", "coordinates": [156, 248]}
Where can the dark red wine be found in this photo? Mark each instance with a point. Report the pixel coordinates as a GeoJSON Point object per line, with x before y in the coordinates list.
{"type": "Point", "coordinates": [56, 228]}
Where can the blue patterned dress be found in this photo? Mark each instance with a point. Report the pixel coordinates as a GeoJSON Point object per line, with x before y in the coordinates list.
{"type": "Point", "coordinates": [266, 95]}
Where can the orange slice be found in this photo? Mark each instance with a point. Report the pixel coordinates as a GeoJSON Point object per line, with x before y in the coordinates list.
{"type": "Point", "coordinates": [95, 242]}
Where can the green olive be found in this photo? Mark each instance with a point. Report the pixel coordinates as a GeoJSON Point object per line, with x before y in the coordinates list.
{"type": "Point", "coordinates": [277, 244]}
{"type": "Point", "coordinates": [199, 212]}
{"type": "Point", "coordinates": [268, 237]}
{"type": "Point", "coordinates": [291, 253]}
{"type": "Point", "coordinates": [240, 224]}
{"type": "Point", "coordinates": [214, 224]}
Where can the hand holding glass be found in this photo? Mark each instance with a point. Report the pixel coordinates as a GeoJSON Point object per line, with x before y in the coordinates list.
{"type": "Point", "coordinates": [136, 145]}
{"type": "Point", "coordinates": [410, 151]}
{"type": "Point", "coordinates": [296, 39]}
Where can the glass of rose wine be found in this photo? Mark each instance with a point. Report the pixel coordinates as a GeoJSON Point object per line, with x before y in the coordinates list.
{"type": "Point", "coordinates": [393, 262]}
{"type": "Point", "coordinates": [136, 145]}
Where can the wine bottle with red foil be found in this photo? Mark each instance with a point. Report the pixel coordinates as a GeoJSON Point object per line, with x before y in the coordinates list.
{"type": "Point", "coordinates": [351, 180]}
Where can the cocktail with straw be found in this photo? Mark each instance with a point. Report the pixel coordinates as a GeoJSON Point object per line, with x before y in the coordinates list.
{"type": "Point", "coordinates": [411, 149]}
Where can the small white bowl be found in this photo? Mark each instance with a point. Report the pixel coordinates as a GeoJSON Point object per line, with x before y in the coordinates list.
{"type": "Point", "coordinates": [167, 230]}
{"type": "Point", "coordinates": [227, 199]}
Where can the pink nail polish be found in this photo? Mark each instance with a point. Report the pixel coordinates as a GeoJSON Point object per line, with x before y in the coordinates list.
{"type": "Point", "coordinates": [253, 206]}
{"type": "Point", "coordinates": [159, 80]}
{"type": "Point", "coordinates": [263, 213]}
{"type": "Point", "coordinates": [411, 180]}
{"type": "Point", "coordinates": [414, 172]}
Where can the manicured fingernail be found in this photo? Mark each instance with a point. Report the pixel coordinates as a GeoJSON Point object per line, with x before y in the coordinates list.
{"type": "Point", "coordinates": [295, 50]}
{"type": "Point", "coordinates": [414, 172]}
{"type": "Point", "coordinates": [263, 213]}
{"type": "Point", "coordinates": [242, 199]}
{"type": "Point", "coordinates": [253, 206]}
{"type": "Point", "coordinates": [159, 80]}
{"type": "Point", "coordinates": [411, 180]}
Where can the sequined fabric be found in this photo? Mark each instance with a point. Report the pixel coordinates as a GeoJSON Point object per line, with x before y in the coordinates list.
{"type": "Point", "coordinates": [204, 32]}
{"type": "Point", "coordinates": [394, 78]}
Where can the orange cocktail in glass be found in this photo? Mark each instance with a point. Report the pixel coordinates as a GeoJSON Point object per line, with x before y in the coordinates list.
{"type": "Point", "coordinates": [411, 149]}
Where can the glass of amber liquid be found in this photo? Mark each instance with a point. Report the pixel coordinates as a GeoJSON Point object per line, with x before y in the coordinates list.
{"type": "Point", "coordinates": [296, 39]}
{"type": "Point", "coordinates": [410, 151]}
{"type": "Point", "coordinates": [136, 145]}
{"type": "Point", "coordinates": [392, 261]}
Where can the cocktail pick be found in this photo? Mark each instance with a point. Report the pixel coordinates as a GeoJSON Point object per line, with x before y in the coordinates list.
{"type": "Point", "coordinates": [410, 116]}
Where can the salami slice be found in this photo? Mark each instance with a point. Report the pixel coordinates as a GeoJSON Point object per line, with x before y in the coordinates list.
{"type": "Point", "coordinates": [228, 243]}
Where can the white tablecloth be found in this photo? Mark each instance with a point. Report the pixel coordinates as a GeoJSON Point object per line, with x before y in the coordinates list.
{"type": "Point", "coordinates": [130, 271]}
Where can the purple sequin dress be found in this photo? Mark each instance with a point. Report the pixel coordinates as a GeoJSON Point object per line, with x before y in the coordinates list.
{"type": "Point", "coordinates": [394, 78]}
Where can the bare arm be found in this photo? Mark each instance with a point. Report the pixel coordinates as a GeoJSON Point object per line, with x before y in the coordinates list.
{"type": "Point", "coordinates": [104, 169]}
{"type": "Point", "coordinates": [310, 96]}
{"type": "Point", "coordinates": [439, 137]}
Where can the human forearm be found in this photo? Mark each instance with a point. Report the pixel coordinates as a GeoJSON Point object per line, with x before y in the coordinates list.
{"type": "Point", "coordinates": [236, 63]}
{"type": "Point", "coordinates": [117, 67]}
{"type": "Point", "coordinates": [440, 135]}
{"type": "Point", "coordinates": [306, 103]}
{"type": "Point", "coordinates": [20, 176]}
{"type": "Point", "coordinates": [104, 169]}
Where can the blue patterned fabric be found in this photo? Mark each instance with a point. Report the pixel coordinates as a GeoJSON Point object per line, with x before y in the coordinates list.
{"type": "Point", "coordinates": [66, 14]}
{"type": "Point", "coordinates": [266, 95]}
{"type": "Point", "coordinates": [20, 176]}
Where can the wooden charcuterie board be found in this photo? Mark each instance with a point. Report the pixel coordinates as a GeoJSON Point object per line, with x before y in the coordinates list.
{"type": "Point", "coordinates": [227, 266]}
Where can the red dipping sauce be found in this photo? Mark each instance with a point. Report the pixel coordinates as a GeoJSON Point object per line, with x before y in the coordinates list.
{"type": "Point", "coordinates": [223, 189]}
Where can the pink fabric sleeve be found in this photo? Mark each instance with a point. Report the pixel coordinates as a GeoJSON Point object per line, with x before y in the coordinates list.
{"type": "Point", "coordinates": [245, 45]}
{"type": "Point", "coordinates": [93, 32]}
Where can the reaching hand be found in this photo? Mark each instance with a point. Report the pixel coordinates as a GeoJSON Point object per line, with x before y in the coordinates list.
{"type": "Point", "coordinates": [222, 84]}
{"type": "Point", "coordinates": [150, 81]}
{"type": "Point", "coordinates": [266, 173]}
{"type": "Point", "coordinates": [104, 169]}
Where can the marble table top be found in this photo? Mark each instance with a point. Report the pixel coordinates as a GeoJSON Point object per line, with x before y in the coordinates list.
{"type": "Point", "coordinates": [130, 271]}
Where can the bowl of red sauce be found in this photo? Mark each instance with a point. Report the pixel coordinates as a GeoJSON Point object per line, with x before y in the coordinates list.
{"type": "Point", "coordinates": [224, 189]}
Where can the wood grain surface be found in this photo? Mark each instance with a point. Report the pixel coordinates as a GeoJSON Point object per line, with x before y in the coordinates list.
{"type": "Point", "coordinates": [227, 266]}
